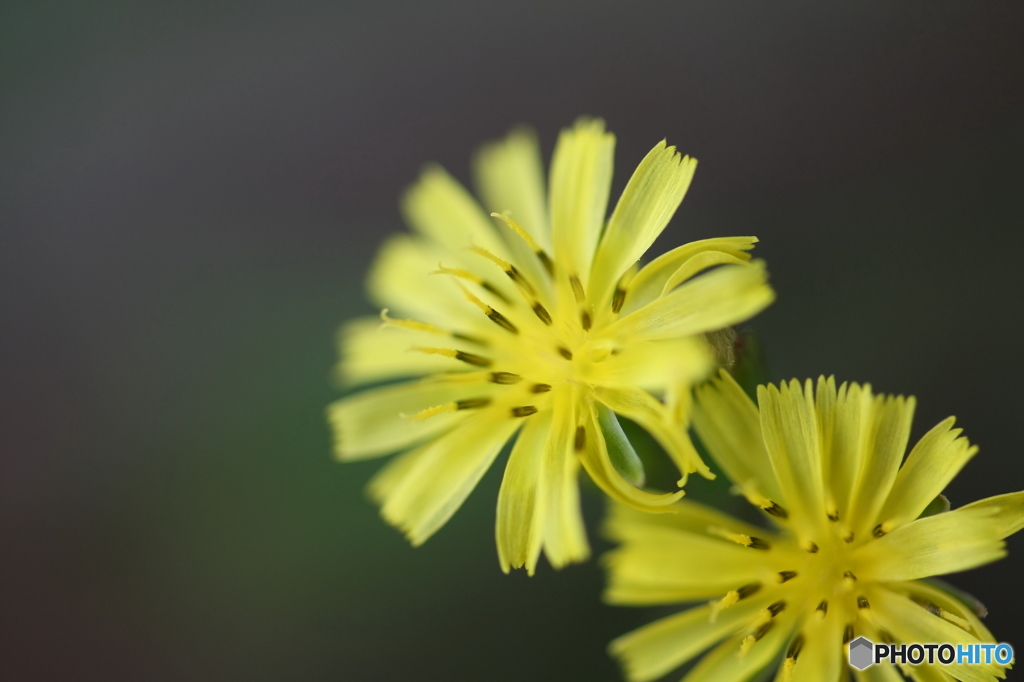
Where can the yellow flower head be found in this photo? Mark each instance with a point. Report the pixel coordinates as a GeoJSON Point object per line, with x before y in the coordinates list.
{"type": "Point", "coordinates": [845, 557]}
{"type": "Point", "coordinates": [535, 320]}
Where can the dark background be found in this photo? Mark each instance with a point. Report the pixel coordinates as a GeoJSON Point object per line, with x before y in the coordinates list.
{"type": "Point", "coordinates": [190, 193]}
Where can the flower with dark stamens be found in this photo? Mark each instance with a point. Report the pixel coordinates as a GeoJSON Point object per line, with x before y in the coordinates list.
{"type": "Point", "coordinates": [831, 458]}
{"type": "Point", "coordinates": [536, 320]}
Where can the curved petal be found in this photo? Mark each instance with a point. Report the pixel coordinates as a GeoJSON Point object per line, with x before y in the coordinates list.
{"type": "Point", "coordinates": [1007, 512]}
{"type": "Point", "coordinates": [699, 263]}
{"type": "Point", "coordinates": [728, 663]}
{"type": "Point", "coordinates": [581, 177]}
{"type": "Point", "coordinates": [595, 459]}
{"type": "Point", "coordinates": [655, 365]}
{"type": "Point", "coordinates": [718, 299]}
{"type": "Point", "coordinates": [625, 523]}
{"type": "Point", "coordinates": [379, 421]}
{"type": "Point", "coordinates": [641, 407]}
{"type": "Point", "coordinates": [522, 501]}
{"type": "Point", "coordinates": [649, 201]}
{"type": "Point", "coordinates": [649, 282]}
{"type": "Point", "coordinates": [419, 492]}
{"type": "Point", "coordinates": [565, 538]}
{"type": "Point", "coordinates": [666, 644]}
{"type": "Point", "coordinates": [932, 464]}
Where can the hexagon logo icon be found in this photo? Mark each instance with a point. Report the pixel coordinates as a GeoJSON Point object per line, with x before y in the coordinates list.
{"type": "Point", "coordinates": [861, 653]}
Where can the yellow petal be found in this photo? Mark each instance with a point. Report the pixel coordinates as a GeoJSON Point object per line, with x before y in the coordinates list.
{"type": "Point", "coordinates": [372, 352]}
{"type": "Point", "coordinates": [581, 176]}
{"type": "Point", "coordinates": [510, 176]}
{"type": "Point", "coordinates": [821, 657]}
{"type": "Point", "coordinates": [931, 465]}
{"type": "Point", "coordinates": [423, 494]}
{"type": "Point", "coordinates": [596, 461]}
{"type": "Point", "coordinates": [649, 283]}
{"type": "Point", "coordinates": [699, 263]}
{"type": "Point", "coordinates": [565, 538]}
{"type": "Point", "coordinates": [790, 427]}
{"type": "Point", "coordinates": [1007, 512]}
{"type": "Point", "coordinates": [625, 523]}
{"type": "Point", "coordinates": [655, 365]}
{"type": "Point", "coordinates": [663, 565]}
{"type": "Point", "coordinates": [440, 208]}
{"type": "Point", "coordinates": [883, 672]}
{"type": "Point", "coordinates": [727, 663]}
{"type": "Point", "coordinates": [641, 407]}
{"type": "Point", "coordinates": [716, 300]}
{"type": "Point", "coordinates": [728, 423]}
{"type": "Point", "coordinates": [848, 445]}
{"type": "Point", "coordinates": [666, 644]}
{"type": "Point", "coordinates": [522, 501]}
{"type": "Point", "coordinates": [909, 622]}
{"type": "Point", "coordinates": [935, 545]}
{"type": "Point", "coordinates": [884, 446]}
{"type": "Point", "coordinates": [378, 421]}
{"type": "Point", "coordinates": [649, 201]}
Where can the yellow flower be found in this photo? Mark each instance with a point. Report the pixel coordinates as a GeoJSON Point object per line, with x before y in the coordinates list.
{"type": "Point", "coordinates": [537, 321]}
{"type": "Point", "coordinates": [846, 554]}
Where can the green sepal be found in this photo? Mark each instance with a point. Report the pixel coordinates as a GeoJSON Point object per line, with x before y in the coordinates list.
{"type": "Point", "coordinates": [620, 450]}
{"type": "Point", "coordinates": [937, 506]}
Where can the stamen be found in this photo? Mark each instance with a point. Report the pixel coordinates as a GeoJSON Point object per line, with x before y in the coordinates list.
{"type": "Point", "coordinates": [414, 325]}
{"type": "Point", "coordinates": [565, 352]}
{"type": "Point", "coordinates": [878, 531]}
{"type": "Point", "coordinates": [505, 378]}
{"type": "Point", "coordinates": [725, 602]}
{"type": "Point", "coordinates": [848, 538]}
{"type": "Point", "coordinates": [471, 403]}
{"type": "Point", "coordinates": [748, 590]}
{"type": "Point", "coordinates": [542, 313]}
{"type": "Point", "coordinates": [455, 354]}
{"type": "Point", "coordinates": [774, 509]}
{"type": "Point", "coordinates": [739, 538]}
{"type": "Point", "coordinates": [848, 634]}
{"type": "Point", "coordinates": [524, 411]}
{"type": "Point", "coordinates": [813, 548]}
{"type": "Point", "coordinates": [777, 608]}
{"type": "Point", "coordinates": [500, 262]}
{"type": "Point", "coordinates": [540, 388]}
{"type": "Point", "coordinates": [756, 636]}
{"type": "Point", "coordinates": [581, 439]}
{"type": "Point", "coordinates": [423, 415]}
{"type": "Point", "coordinates": [585, 320]}
{"type": "Point", "coordinates": [850, 576]}
{"type": "Point", "coordinates": [577, 289]}
{"type": "Point", "coordinates": [525, 236]}
{"type": "Point", "coordinates": [472, 339]}
{"type": "Point", "coordinates": [833, 516]}
{"type": "Point", "coordinates": [487, 310]}
{"type": "Point", "coordinates": [862, 603]}
{"type": "Point", "coordinates": [823, 607]}
{"type": "Point", "coordinates": [786, 576]}
{"type": "Point", "coordinates": [618, 299]}
{"type": "Point", "coordinates": [793, 652]}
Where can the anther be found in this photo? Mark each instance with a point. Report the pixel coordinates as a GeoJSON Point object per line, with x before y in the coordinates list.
{"type": "Point", "coordinates": [577, 288]}
{"type": "Point", "coordinates": [786, 576]}
{"type": "Point", "coordinates": [524, 411]}
{"type": "Point", "coordinates": [848, 634]}
{"type": "Point", "coordinates": [886, 637]}
{"type": "Point", "coordinates": [618, 299]}
{"type": "Point", "coordinates": [774, 509]}
{"type": "Point", "coordinates": [850, 576]}
{"type": "Point", "coordinates": [471, 339]}
{"type": "Point", "coordinates": [487, 286]}
{"type": "Point", "coordinates": [545, 260]}
{"type": "Point", "coordinates": [565, 352]}
{"type": "Point", "coordinates": [833, 516]}
{"type": "Point", "coordinates": [505, 378]}
{"type": "Point", "coordinates": [848, 538]}
{"type": "Point", "coordinates": [763, 630]}
{"type": "Point", "coordinates": [471, 403]}
{"type": "Point", "coordinates": [794, 647]}
{"type": "Point", "coordinates": [585, 320]}
{"type": "Point", "coordinates": [581, 439]}
{"type": "Point", "coordinates": [517, 277]}
{"type": "Point", "coordinates": [813, 548]}
{"type": "Point", "coordinates": [930, 607]}
{"type": "Point", "coordinates": [878, 531]}
{"type": "Point", "coordinates": [542, 313]}
{"type": "Point", "coordinates": [748, 590]}
{"type": "Point", "coordinates": [777, 608]}
{"type": "Point", "coordinates": [862, 603]}
{"type": "Point", "coordinates": [501, 320]}
{"type": "Point", "coordinates": [540, 388]}
{"type": "Point", "coordinates": [758, 543]}
{"type": "Point", "coordinates": [472, 359]}
{"type": "Point", "coordinates": [823, 607]}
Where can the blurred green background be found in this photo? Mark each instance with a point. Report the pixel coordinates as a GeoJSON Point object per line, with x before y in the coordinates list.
{"type": "Point", "coordinates": [190, 194]}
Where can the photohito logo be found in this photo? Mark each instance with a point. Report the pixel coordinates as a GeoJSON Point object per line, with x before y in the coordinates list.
{"type": "Point", "coordinates": [865, 653]}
